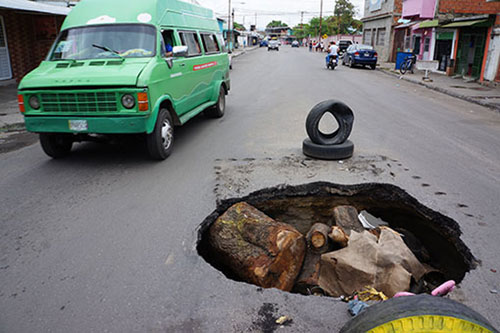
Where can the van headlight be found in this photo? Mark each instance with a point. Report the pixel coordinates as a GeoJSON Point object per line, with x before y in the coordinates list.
{"type": "Point", "coordinates": [34, 102]}
{"type": "Point", "coordinates": [128, 101]}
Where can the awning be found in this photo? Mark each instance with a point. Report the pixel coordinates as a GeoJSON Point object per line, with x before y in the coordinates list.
{"type": "Point", "coordinates": [36, 7]}
{"type": "Point", "coordinates": [428, 24]}
{"type": "Point", "coordinates": [402, 26]}
{"type": "Point", "coordinates": [473, 23]}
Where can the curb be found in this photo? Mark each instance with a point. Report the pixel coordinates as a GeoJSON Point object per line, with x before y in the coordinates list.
{"type": "Point", "coordinates": [244, 51]}
{"type": "Point", "coordinates": [442, 90]}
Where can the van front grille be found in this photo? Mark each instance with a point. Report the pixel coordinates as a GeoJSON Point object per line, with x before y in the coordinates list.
{"type": "Point", "coordinates": [79, 102]}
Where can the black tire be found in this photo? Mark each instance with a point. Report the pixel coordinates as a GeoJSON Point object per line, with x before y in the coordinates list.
{"type": "Point", "coordinates": [403, 68]}
{"type": "Point", "coordinates": [373, 67]}
{"type": "Point", "coordinates": [56, 145]}
{"type": "Point", "coordinates": [160, 142]}
{"type": "Point", "coordinates": [217, 111]}
{"type": "Point", "coordinates": [351, 63]}
{"type": "Point", "coordinates": [342, 113]}
{"type": "Point", "coordinates": [328, 152]}
{"type": "Point", "coordinates": [413, 307]}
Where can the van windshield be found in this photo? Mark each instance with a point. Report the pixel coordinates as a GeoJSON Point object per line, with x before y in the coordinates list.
{"type": "Point", "coordinates": [105, 41]}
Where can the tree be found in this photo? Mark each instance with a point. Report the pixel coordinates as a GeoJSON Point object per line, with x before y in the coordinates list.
{"type": "Point", "coordinates": [239, 27]}
{"type": "Point", "coordinates": [276, 24]}
{"type": "Point", "coordinates": [344, 13]}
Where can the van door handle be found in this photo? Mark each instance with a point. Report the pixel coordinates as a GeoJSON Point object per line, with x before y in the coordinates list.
{"type": "Point", "coordinates": [182, 65]}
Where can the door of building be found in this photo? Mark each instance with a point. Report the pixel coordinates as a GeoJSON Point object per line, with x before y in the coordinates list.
{"type": "Point", "coordinates": [5, 70]}
{"type": "Point", "coordinates": [470, 52]}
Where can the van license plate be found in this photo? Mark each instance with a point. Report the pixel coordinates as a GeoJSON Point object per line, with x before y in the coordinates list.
{"type": "Point", "coordinates": [78, 125]}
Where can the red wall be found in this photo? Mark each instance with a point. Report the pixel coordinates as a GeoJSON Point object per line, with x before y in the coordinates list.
{"type": "Point", "coordinates": [469, 6]}
{"type": "Point", "coordinates": [26, 49]}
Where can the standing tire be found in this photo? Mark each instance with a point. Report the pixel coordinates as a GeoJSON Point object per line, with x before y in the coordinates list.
{"type": "Point", "coordinates": [328, 152]}
{"type": "Point", "coordinates": [342, 113]}
{"type": "Point", "coordinates": [217, 111]}
{"type": "Point", "coordinates": [160, 142]}
{"type": "Point", "coordinates": [56, 145]}
{"type": "Point", "coordinates": [424, 313]}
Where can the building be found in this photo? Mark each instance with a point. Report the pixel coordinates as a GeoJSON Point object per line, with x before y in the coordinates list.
{"type": "Point", "coordinates": [379, 20]}
{"type": "Point", "coordinates": [27, 31]}
{"type": "Point", "coordinates": [463, 35]}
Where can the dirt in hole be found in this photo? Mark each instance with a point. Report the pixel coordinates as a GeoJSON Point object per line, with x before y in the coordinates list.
{"type": "Point", "coordinates": [437, 236]}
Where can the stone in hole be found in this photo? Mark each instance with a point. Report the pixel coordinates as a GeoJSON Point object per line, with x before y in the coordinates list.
{"type": "Point", "coordinates": [302, 206]}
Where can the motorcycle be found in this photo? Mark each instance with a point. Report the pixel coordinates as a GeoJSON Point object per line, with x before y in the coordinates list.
{"type": "Point", "coordinates": [332, 62]}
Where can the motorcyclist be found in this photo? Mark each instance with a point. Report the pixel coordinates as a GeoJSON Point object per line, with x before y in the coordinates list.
{"type": "Point", "coordinates": [333, 51]}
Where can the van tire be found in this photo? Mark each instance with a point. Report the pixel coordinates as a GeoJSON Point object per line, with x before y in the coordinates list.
{"type": "Point", "coordinates": [328, 152]}
{"type": "Point", "coordinates": [161, 141]}
{"type": "Point", "coordinates": [217, 111]}
{"type": "Point", "coordinates": [56, 145]}
{"type": "Point", "coordinates": [410, 309]}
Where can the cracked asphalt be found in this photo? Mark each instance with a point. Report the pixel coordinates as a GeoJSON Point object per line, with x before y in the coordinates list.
{"type": "Point", "coordinates": [105, 240]}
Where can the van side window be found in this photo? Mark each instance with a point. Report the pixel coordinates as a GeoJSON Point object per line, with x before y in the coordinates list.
{"type": "Point", "coordinates": [190, 39]}
{"type": "Point", "coordinates": [222, 42]}
{"type": "Point", "coordinates": [210, 43]}
{"type": "Point", "coordinates": [168, 42]}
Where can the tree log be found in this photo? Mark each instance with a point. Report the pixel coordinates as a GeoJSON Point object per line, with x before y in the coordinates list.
{"type": "Point", "coordinates": [307, 282]}
{"type": "Point", "coordinates": [256, 248]}
{"type": "Point", "coordinates": [338, 236]}
{"type": "Point", "coordinates": [347, 218]}
{"type": "Point", "coordinates": [317, 238]}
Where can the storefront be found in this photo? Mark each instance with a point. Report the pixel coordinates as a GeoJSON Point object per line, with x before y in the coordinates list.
{"type": "Point", "coordinates": [471, 44]}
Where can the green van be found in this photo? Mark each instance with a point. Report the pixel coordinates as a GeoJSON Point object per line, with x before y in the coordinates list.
{"type": "Point", "coordinates": [123, 67]}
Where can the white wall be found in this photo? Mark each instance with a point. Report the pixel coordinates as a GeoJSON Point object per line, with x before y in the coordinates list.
{"type": "Point", "coordinates": [493, 59]}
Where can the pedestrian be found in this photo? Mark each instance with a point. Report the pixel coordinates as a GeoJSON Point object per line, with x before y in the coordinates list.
{"type": "Point", "coordinates": [310, 46]}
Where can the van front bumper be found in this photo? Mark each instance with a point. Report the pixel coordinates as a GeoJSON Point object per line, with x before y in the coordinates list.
{"type": "Point", "coordinates": [98, 125]}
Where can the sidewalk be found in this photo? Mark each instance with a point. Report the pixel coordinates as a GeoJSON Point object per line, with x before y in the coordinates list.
{"type": "Point", "coordinates": [456, 87]}
{"type": "Point", "coordinates": [10, 117]}
{"type": "Point", "coordinates": [240, 51]}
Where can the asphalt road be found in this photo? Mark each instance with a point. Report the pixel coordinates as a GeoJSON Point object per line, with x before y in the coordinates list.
{"type": "Point", "coordinates": [105, 239]}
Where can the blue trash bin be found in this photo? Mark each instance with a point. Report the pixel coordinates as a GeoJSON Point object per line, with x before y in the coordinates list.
{"type": "Point", "coordinates": [400, 57]}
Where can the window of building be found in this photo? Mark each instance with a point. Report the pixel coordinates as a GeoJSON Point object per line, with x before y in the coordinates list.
{"type": "Point", "coordinates": [190, 39]}
{"type": "Point", "coordinates": [368, 37]}
{"type": "Point", "coordinates": [381, 36]}
{"type": "Point", "coordinates": [427, 44]}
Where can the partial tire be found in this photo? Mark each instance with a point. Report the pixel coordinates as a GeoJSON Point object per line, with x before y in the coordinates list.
{"type": "Point", "coordinates": [373, 67]}
{"type": "Point", "coordinates": [351, 63]}
{"type": "Point", "coordinates": [342, 113]}
{"type": "Point", "coordinates": [403, 68]}
{"type": "Point", "coordinates": [219, 109]}
{"type": "Point", "coordinates": [160, 142]}
{"type": "Point", "coordinates": [56, 145]}
{"type": "Point", "coordinates": [424, 313]}
{"type": "Point", "coordinates": [328, 152]}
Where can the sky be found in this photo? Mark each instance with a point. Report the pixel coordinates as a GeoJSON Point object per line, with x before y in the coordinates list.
{"type": "Point", "coordinates": [288, 11]}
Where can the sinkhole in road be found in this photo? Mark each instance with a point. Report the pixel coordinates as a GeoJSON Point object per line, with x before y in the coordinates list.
{"type": "Point", "coordinates": [433, 237]}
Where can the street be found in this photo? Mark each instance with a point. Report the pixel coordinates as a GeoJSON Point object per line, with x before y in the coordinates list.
{"type": "Point", "coordinates": [105, 240]}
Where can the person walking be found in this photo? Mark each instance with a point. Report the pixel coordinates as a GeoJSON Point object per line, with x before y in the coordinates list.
{"type": "Point", "coordinates": [310, 46]}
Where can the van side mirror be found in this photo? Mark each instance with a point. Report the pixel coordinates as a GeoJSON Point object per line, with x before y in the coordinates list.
{"type": "Point", "coordinates": [180, 51]}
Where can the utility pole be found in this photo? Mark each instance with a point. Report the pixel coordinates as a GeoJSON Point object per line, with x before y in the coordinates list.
{"type": "Point", "coordinates": [255, 20]}
{"type": "Point", "coordinates": [301, 18]}
{"type": "Point", "coordinates": [228, 37]}
{"type": "Point", "coordinates": [232, 22]}
{"type": "Point", "coordinates": [320, 18]}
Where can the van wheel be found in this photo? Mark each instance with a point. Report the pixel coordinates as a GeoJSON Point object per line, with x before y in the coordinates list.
{"type": "Point", "coordinates": [56, 145]}
{"type": "Point", "coordinates": [161, 140]}
{"type": "Point", "coordinates": [218, 110]}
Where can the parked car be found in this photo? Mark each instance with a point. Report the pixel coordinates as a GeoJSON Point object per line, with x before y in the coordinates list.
{"type": "Point", "coordinates": [273, 45]}
{"type": "Point", "coordinates": [295, 43]}
{"type": "Point", "coordinates": [359, 54]}
{"type": "Point", "coordinates": [264, 43]}
{"type": "Point", "coordinates": [111, 75]}
{"type": "Point", "coordinates": [344, 45]}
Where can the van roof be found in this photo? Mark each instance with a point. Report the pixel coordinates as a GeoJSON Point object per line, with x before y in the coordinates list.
{"type": "Point", "coordinates": [175, 13]}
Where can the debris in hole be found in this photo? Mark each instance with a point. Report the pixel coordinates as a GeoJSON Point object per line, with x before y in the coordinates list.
{"type": "Point", "coordinates": [338, 236]}
{"type": "Point", "coordinates": [371, 294]}
{"type": "Point", "coordinates": [444, 289]}
{"type": "Point", "coordinates": [369, 221]}
{"type": "Point", "coordinates": [317, 238]}
{"type": "Point", "coordinates": [355, 306]}
{"type": "Point", "coordinates": [431, 237]}
{"type": "Point", "coordinates": [384, 263]}
{"type": "Point", "coordinates": [347, 218]}
{"type": "Point", "coordinates": [257, 248]}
